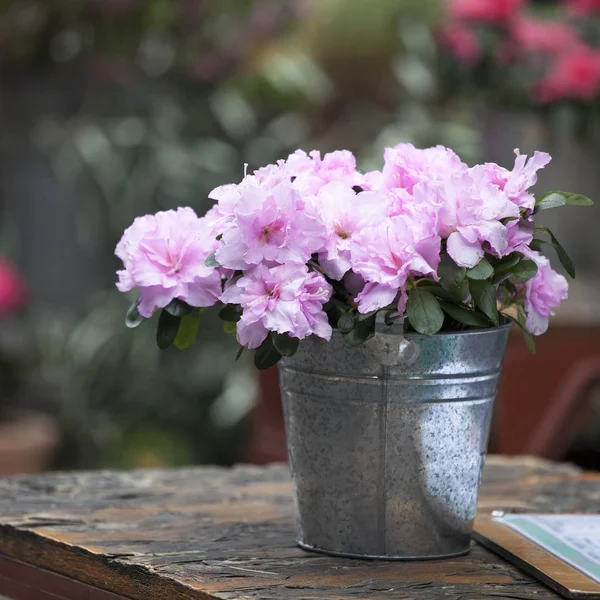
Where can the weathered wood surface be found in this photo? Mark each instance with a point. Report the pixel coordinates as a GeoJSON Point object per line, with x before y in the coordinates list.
{"type": "Point", "coordinates": [203, 533]}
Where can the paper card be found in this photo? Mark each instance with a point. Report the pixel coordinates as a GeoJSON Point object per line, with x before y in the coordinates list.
{"type": "Point", "coordinates": [575, 539]}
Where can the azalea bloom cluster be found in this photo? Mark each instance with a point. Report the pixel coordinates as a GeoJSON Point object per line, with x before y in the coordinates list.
{"type": "Point", "coordinates": [559, 55]}
{"type": "Point", "coordinates": [310, 244]}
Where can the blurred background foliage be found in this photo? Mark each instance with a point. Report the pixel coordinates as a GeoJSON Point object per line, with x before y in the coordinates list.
{"type": "Point", "coordinates": [114, 108]}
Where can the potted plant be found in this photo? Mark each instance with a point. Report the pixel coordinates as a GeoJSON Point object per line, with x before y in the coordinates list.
{"type": "Point", "coordinates": [389, 296]}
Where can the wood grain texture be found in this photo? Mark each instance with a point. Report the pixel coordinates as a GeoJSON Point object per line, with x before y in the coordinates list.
{"type": "Point", "coordinates": [199, 533]}
{"type": "Point", "coordinates": [21, 581]}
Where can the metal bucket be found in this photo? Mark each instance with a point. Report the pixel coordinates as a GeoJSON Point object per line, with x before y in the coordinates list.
{"type": "Point", "coordinates": [386, 459]}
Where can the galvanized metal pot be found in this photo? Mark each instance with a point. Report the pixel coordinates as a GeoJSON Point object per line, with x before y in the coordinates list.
{"type": "Point", "coordinates": [387, 442]}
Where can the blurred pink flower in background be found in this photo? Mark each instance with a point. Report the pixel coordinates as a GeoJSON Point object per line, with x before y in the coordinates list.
{"type": "Point", "coordinates": [462, 42]}
{"type": "Point", "coordinates": [537, 35]}
{"type": "Point", "coordinates": [13, 291]}
{"type": "Point", "coordinates": [583, 7]}
{"type": "Point", "coordinates": [575, 75]}
{"type": "Point", "coordinates": [489, 11]}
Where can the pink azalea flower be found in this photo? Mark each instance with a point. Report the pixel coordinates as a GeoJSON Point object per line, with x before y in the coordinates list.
{"type": "Point", "coordinates": [385, 256]}
{"type": "Point", "coordinates": [311, 172]}
{"type": "Point", "coordinates": [373, 180]}
{"type": "Point", "coordinates": [164, 256]}
{"type": "Point", "coordinates": [269, 225]}
{"type": "Point", "coordinates": [286, 299]}
{"type": "Point", "coordinates": [373, 233]}
{"type": "Point", "coordinates": [519, 234]}
{"type": "Point", "coordinates": [543, 293]}
{"type": "Point", "coordinates": [406, 165]}
{"type": "Point", "coordinates": [344, 213]}
{"type": "Point", "coordinates": [271, 175]}
{"type": "Point", "coordinates": [517, 182]}
{"type": "Point", "coordinates": [221, 216]}
{"type": "Point", "coordinates": [422, 211]}
{"type": "Point", "coordinates": [470, 216]}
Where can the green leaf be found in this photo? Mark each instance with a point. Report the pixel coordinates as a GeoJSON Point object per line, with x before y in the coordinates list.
{"type": "Point", "coordinates": [179, 308]}
{"type": "Point", "coordinates": [555, 199]}
{"type": "Point", "coordinates": [188, 328]}
{"type": "Point", "coordinates": [550, 200]}
{"type": "Point", "coordinates": [359, 334]}
{"type": "Point", "coordinates": [449, 270]}
{"type": "Point", "coordinates": [133, 317]}
{"type": "Point", "coordinates": [563, 257]}
{"type": "Point", "coordinates": [465, 315]}
{"type": "Point", "coordinates": [229, 327]}
{"type": "Point", "coordinates": [437, 290]}
{"type": "Point", "coordinates": [424, 312]}
{"type": "Point", "coordinates": [284, 344]}
{"type": "Point", "coordinates": [452, 278]}
{"type": "Point", "coordinates": [484, 296]}
{"type": "Point", "coordinates": [504, 265]}
{"type": "Point", "coordinates": [346, 321]}
{"type": "Point", "coordinates": [168, 326]}
{"type": "Point", "coordinates": [335, 309]}
{"type": "Point", "coordinates": [525, 269]}
{"type": "Point", "coordinates": [239, 353]}
{"type": "Point", "coordinates": [527, 336]}
{"type": "Point", "coordinates": [211, 261]}
{"type": "Point", "coordinates": [366, 316]}
{"type": "Point", "coordinates": [504, 268]}
{"type": "Point", "coordinates": [483, 270]}
{"type": "Point", "coordinates": [578, 200]}
{"type": "Point", "coordinates": [231, 313]}
{"type": "Point", "coordinates": [537, 244]}
{"type": "Point", "coordinates": [266, 355]}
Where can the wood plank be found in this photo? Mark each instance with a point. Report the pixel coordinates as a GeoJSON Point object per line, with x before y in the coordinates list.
{"type": "Point", "coordinates": [21, 581]}
{"type": "Point", "coordinates": [200, 533]}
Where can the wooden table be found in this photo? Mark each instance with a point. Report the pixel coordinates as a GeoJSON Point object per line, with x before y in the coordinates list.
{"type": "Point", "coordinates": [204, 533]}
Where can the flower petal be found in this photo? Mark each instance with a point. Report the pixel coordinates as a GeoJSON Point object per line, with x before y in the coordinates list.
{"type": "Point", "coordinates": [464, 253]}
{"type": "Point", "coordinates": [375, 296]}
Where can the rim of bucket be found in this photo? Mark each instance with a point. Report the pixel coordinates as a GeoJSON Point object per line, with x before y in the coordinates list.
{"type": "Point", "coordinates": [507, 324]}
{"type": "Point", "coordinates": [390, 557]}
